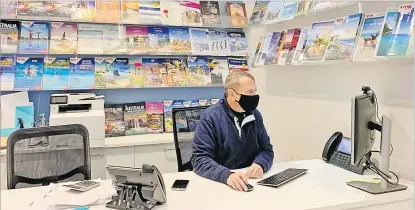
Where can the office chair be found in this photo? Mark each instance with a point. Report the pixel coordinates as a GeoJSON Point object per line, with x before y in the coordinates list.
{"type": "Point", "coordinates": [185, 121]}
{"type": "Point", "coordinates": [43, 155]}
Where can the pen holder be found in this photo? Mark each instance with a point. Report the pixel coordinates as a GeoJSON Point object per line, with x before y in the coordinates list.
{"type": "Point", "coordinates": [132, 197]}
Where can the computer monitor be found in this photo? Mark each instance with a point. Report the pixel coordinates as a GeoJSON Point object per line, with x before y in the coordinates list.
{"type": "Point", "coordinates": [363, 138]}
{"type": "Point", "coordinates": [364, 126]}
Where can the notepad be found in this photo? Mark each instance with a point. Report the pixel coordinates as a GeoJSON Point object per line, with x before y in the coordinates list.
{"type": "Point", "coordinates": [368, 180]}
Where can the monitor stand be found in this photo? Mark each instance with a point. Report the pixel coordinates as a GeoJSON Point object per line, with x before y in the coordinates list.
{"type": "Point", "coordinates": [383, 186]}
{"type": "Point", "coordinates": [376, 188]}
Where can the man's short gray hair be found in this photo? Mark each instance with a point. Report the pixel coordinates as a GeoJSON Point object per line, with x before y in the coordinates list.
{"type": "Point", "coordinates": [232, 81]}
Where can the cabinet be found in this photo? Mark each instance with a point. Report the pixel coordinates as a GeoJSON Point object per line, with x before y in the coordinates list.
{"type": "Point", "coordinates": [163, 156]}
{"type": "Point", "coordinates": [3, 172]}
{"type": "Point", "coordinates": [98, 163]}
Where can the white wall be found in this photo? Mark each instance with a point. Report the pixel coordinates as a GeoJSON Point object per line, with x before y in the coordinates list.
{"type": "Point", "coordinates": [304, 105]}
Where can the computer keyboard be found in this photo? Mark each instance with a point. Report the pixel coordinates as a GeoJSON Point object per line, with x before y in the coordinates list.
{"type": "Point", "coordinates": [83, 185]}
{"type": "Point", "coordinates": [283, 177]}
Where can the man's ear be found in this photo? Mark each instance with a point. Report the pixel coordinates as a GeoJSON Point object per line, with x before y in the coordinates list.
{"type": "Point", "coordinates": [232, 94]}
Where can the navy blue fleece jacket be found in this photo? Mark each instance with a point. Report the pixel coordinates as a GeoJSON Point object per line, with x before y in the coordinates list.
{"type": "Point", "coordinates": [222, 143]}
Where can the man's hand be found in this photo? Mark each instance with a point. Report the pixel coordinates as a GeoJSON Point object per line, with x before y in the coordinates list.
{"type": "Point", "coordinates": [238, 181]}
{"type": "Point", "coordinates": [255, 171]}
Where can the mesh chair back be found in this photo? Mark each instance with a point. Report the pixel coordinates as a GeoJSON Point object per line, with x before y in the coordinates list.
{"type": "Point", "coordinates": [44, 155]}
{"type": "Point", "coordinates": [185, 121]}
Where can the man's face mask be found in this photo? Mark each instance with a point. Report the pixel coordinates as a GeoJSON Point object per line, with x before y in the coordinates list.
{"type": "Point", "coordinates": [248, 102]}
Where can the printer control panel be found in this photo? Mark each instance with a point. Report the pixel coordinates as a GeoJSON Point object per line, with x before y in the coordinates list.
{"type": "Point", "coordinates": [58, 99]}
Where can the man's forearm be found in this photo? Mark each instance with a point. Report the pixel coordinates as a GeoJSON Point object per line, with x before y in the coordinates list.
{"type": "Point", "coordinates": [209, 169]}
{"type": "Point", "coordinates": [265, 158]}
{"type": "Point", "coordinates": [264, 162]}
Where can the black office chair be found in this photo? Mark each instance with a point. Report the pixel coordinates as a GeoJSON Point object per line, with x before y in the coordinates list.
{"type": "Point", "coordinates": [185, 121]}
{"type": "Point", "coordinates": [44, 155]}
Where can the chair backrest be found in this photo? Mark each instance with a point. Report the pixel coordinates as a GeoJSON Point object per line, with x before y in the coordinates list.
{"type": "Point", "coordinates": [44, 155]}
{"type": "Point", "coordinates": [185, 121]}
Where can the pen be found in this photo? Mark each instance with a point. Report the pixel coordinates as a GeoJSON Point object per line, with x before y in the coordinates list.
{"type": "Point", "coordinates": [43, 197]}
{"type": "Point", "coordinates": [47, 194]}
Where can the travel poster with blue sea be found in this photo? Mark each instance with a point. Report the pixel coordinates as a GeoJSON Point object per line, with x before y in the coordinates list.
{"type": "Point", "coordinates": [117, 73]}
{"type": "Point", "coordinates": [56, 74]}
{"type": "Point", "coordinates": [402, 35]}
{"type": "Point", "coordinates": [159, 39]}
{"type": "Point", "coordinates": [29, 73]}
{"type": "Point", "coordinates": [369, 36]}
{"type": "Point", "coordinates": [34, 37]}
{"type": "Point", "coordinates": [199, 40]}
{"type": "Point", "coordinates": [82, 73]}
{"type": "Point", "coordinates": [391, 19]}
{"type": "Point", "coordinates": [343, 37]}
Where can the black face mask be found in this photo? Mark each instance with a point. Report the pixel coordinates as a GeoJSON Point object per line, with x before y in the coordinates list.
{"type": "Point", "coordinates": [248, 103]}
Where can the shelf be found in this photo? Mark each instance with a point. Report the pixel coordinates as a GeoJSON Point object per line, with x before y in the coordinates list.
{"type": "Point", "coordinates": [224, 18]}
{"type": "Point", "coordinates": [304, 15]}
{"type": "Point", "coordinates": [376, 61]}
{"type": "Point", "coordinates": [221, 26]}
{"type": "Point", "coordinates": [122, 55]}
{"type": "Point", "coordinates": [129, 141]}
{"type": "Point", "coordinates": [139, 140]}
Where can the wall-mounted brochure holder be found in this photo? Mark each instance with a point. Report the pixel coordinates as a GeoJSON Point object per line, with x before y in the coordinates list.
{"type": "Point", "coordinates": [137, 188]}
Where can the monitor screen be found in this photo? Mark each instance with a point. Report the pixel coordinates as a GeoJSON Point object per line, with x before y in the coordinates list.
{"type": "Point", "coordinates": [345, 146]}
{"type": "Point", "coordinates": [363, 112]}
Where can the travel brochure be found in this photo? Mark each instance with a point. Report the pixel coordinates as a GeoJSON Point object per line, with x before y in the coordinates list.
{"type": "Point", "coordinates": [402, 34]}
{"type": "Point", "coordinates": [28, 74]}
{"type": "Point", "coordinates": [358, 37]}
{"type": "Point", "coordinates": [343, 37]}
{"type": "Point", "coordinates": [29, 37]}
{"type": "Point", "coordinates": [110, 46]}
{"type": "Point", "coordinates": [169, 13]}
{"type": "Point", "coordinates": [147, 117]}
{"type": "Point", "coordinates": [175, 12]}
{"type": "Point", "coordinates": [56, 73]}
{"type": "Point", "coordinates": [62, 73]}
{"type": "Point", "coordinates": [7, 70]}
{"type": "Point", "coordinates": [34, 37]}
{"type": "Point", "coordinates": [9, 36]}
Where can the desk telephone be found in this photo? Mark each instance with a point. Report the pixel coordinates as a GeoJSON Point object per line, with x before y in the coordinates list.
{"type": "Point", "coordinates": [338, 150]}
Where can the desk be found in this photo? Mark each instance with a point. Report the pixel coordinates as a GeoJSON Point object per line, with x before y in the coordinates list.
{"type": "Point", "coordinates": [322, 188]}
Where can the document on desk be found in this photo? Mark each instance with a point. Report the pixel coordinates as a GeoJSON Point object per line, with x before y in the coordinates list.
{"type": "Point", "coordinates": [62, 197]}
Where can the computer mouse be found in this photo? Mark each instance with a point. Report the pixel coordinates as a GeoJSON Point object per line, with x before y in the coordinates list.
{"type": "Point", "coordinates": [250, 187]}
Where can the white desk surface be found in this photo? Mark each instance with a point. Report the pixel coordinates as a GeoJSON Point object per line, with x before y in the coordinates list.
{"type": "Point", "coordinates": [323, 187]}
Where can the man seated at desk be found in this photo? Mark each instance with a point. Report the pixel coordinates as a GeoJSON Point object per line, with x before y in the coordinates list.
{"type": "Point", "coordinates": [231, 135]}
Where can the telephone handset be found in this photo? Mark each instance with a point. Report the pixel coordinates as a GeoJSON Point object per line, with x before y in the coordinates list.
{"type": "Point", "coordinates": [338, 150]}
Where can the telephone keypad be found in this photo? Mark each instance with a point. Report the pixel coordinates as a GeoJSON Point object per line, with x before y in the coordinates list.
{"type": "Point", "coordinates": [342, 159]}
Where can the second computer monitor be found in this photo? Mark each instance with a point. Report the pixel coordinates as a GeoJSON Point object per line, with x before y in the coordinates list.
{"type": "Point", "coordinates": [363, 112]}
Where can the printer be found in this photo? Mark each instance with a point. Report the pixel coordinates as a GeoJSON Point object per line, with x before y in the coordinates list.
{"type": "Point", "coordinates": [80, 108]}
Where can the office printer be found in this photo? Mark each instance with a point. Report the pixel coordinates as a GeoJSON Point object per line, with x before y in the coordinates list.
{"type": "Point", "coordinates": [80, 108]}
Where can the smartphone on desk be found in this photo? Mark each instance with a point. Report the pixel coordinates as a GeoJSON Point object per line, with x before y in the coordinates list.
{"type": "Point", "coordinates": [180, 184]}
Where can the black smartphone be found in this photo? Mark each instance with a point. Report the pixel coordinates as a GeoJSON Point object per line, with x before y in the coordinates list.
{"type": "Point", "coordinates": [180, 184]}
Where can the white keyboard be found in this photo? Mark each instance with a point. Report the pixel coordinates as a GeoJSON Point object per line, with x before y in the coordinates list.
{"type": "Point", "coordinates": [83, 185]}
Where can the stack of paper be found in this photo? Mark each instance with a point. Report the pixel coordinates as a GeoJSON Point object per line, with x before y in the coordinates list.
{"type": "Point", "coordinates": [62, 197]}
